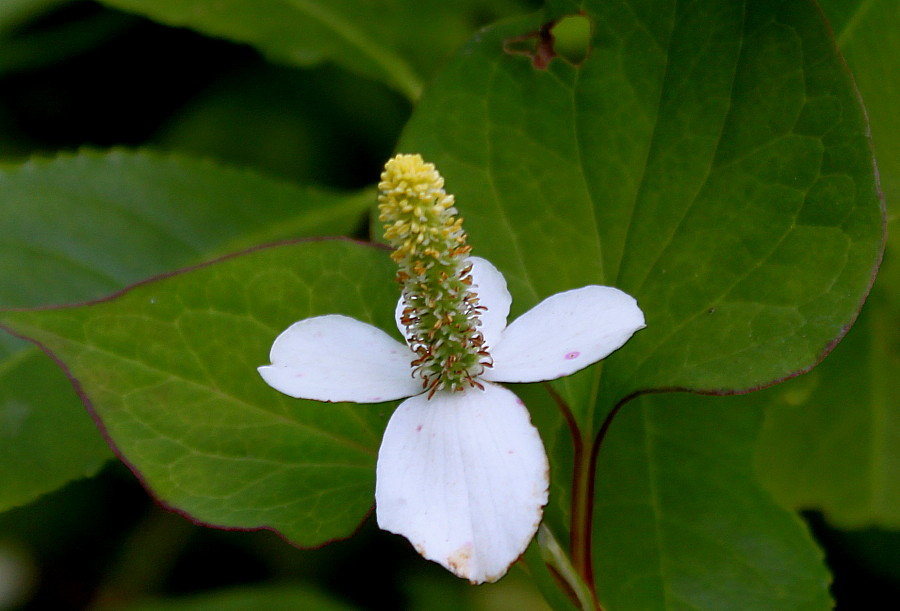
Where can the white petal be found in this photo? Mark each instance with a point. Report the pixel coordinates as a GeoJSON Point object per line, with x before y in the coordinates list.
{"type": "Point", "coordinates": [490, 285]}
{"type": "Point", "coordinates": [463, 476]}
{"type": "Point", "coordinates": [337, 358]}
{"type": "Point", "coordinates": [564, 333]}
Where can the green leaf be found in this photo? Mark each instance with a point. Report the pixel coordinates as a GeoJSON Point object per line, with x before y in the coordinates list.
{"type": "Point", "coordinates": [31, 48]}
{"type": "Point", "coordinates": [268, 597]}
{"type": "Point", "coordinates": [96, 222]}
{"type": "Point", "coordinates": [709, 158]}
{"type": "Point", "coordinates": [398, 43]}
{"type": "Point", "coordinates": [866, 32]}
{"type": "Point", "coordinates": [169, 367]}
{"type": "Point", "coordinates": [682, 522]}
{"type": "Point", "coordinates": [832, 437]}
{"type": "Point", "coordinates": [13, 13]}
{"type": "Point", "coordinates": [79, 227]}
{"type": "Point", "coordinates": [291, 123]}
{"type": "Point", "coordinates": [46, 439]}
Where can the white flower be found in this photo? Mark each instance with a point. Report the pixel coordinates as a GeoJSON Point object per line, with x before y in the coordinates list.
{"type": "Point", "coordinates": [463, 475]}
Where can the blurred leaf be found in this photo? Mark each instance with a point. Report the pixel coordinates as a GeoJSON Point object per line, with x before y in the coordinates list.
{"type": "Point", "coordinates": [832, 437]}
{"type": "Point", "coordinates": [46, 439]}
{"type": "Point", "coordinates": [304, 125]}
{"type": "Point", "coordinates": [682, 522]}
{"type": "Point", "coordinates": [268, 597]}
{"type": "Point", "coordinates": [14, 13]}
{"type": "Point", "coordinates": [33, 47]}
{"type": "Point", "coordinates": [866, 32]}
{"type": "Point", "coordinates": [96, 222]}
{"type": "Point", "coordinates": [398, 43]}
{"type": "Point", "coordinates": [79, 227]}
{"type": "Point", "coordinates": [712, 163]}
{"type": "Point", "coordinates": [169, 367]}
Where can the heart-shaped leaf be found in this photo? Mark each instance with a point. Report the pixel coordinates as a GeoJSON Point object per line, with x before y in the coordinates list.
{"type": "Point", "coordinates": [81, 226]}
{"type": "Point", "coordinates": [169, 368]}
{"type": "Point", "coordinates": [710, 159]}
{"type": "Point", "coordinates": [830, 438]}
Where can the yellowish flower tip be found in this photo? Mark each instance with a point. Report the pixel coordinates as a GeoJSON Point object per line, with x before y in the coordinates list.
{"type": "Point", "coordinates": [441, 309]}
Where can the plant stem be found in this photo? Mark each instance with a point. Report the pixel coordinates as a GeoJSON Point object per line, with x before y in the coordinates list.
{"type": "Point", "coordinates": [582, 499]}
{"type": "Point", "coordinates": [582, 511]}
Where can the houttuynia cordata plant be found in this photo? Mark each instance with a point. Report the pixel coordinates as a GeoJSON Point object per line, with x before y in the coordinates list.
{"type": "Point", "coordinates": [638, 375]}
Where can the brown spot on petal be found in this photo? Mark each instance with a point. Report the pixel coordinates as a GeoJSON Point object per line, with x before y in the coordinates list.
{"type": "Point", "coordinates": [460, 559]}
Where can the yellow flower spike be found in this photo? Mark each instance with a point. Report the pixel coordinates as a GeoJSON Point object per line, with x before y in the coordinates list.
{"type": "Point", "coordinates": [441, 309]}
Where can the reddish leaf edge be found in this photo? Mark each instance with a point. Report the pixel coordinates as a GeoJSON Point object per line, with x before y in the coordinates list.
{"type": "Point", "coordinates": [98, 421]}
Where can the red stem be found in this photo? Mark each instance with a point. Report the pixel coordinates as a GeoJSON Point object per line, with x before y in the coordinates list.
{"type": "Point", "coordinates": [584, 478]}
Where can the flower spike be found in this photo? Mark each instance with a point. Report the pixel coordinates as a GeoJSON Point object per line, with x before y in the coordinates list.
{"type": "Point", "coordinates": [441, 310]}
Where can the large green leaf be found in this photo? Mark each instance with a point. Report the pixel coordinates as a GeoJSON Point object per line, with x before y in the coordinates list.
{"type": "Point", "coordinates": [169, 368]}
{"type": "Point", "coordinates": [709, 158]}
{"type": "Point", "coordinates": [682, 522]}
{"type": "Point", "coordinates": [396, 42]}
{"type": "Point", "coordinates": [832, 438]}
{"type": "Point", "coordinates": [79, 227]}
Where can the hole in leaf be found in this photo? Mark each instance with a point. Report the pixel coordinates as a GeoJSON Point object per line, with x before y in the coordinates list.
{"type": "Point", "coordinates": [572, 38]}
{"type": "Point", "coordinates": [537, 46]}
{"type": "Point", "coordinates": [569, 38]}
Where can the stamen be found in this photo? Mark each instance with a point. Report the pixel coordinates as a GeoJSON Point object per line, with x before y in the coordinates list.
{"type": "Point", "coordinates": [441, 310]}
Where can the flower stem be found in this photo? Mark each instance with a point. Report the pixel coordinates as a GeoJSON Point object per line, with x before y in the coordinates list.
{"type": "Point", "coordinates": [580, 540]}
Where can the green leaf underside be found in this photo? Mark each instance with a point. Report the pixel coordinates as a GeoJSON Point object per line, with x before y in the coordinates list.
{"type": "Point", "coordinates": [832, 438]}
{"type": "Point", "coordinates": [170, 370]}
{"type": "Point", "coordinates": [708, 158]}
{"type": "Point", "coordinates": [682, 522]}
{"type": "Point", "coordinates": [82, 226]}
